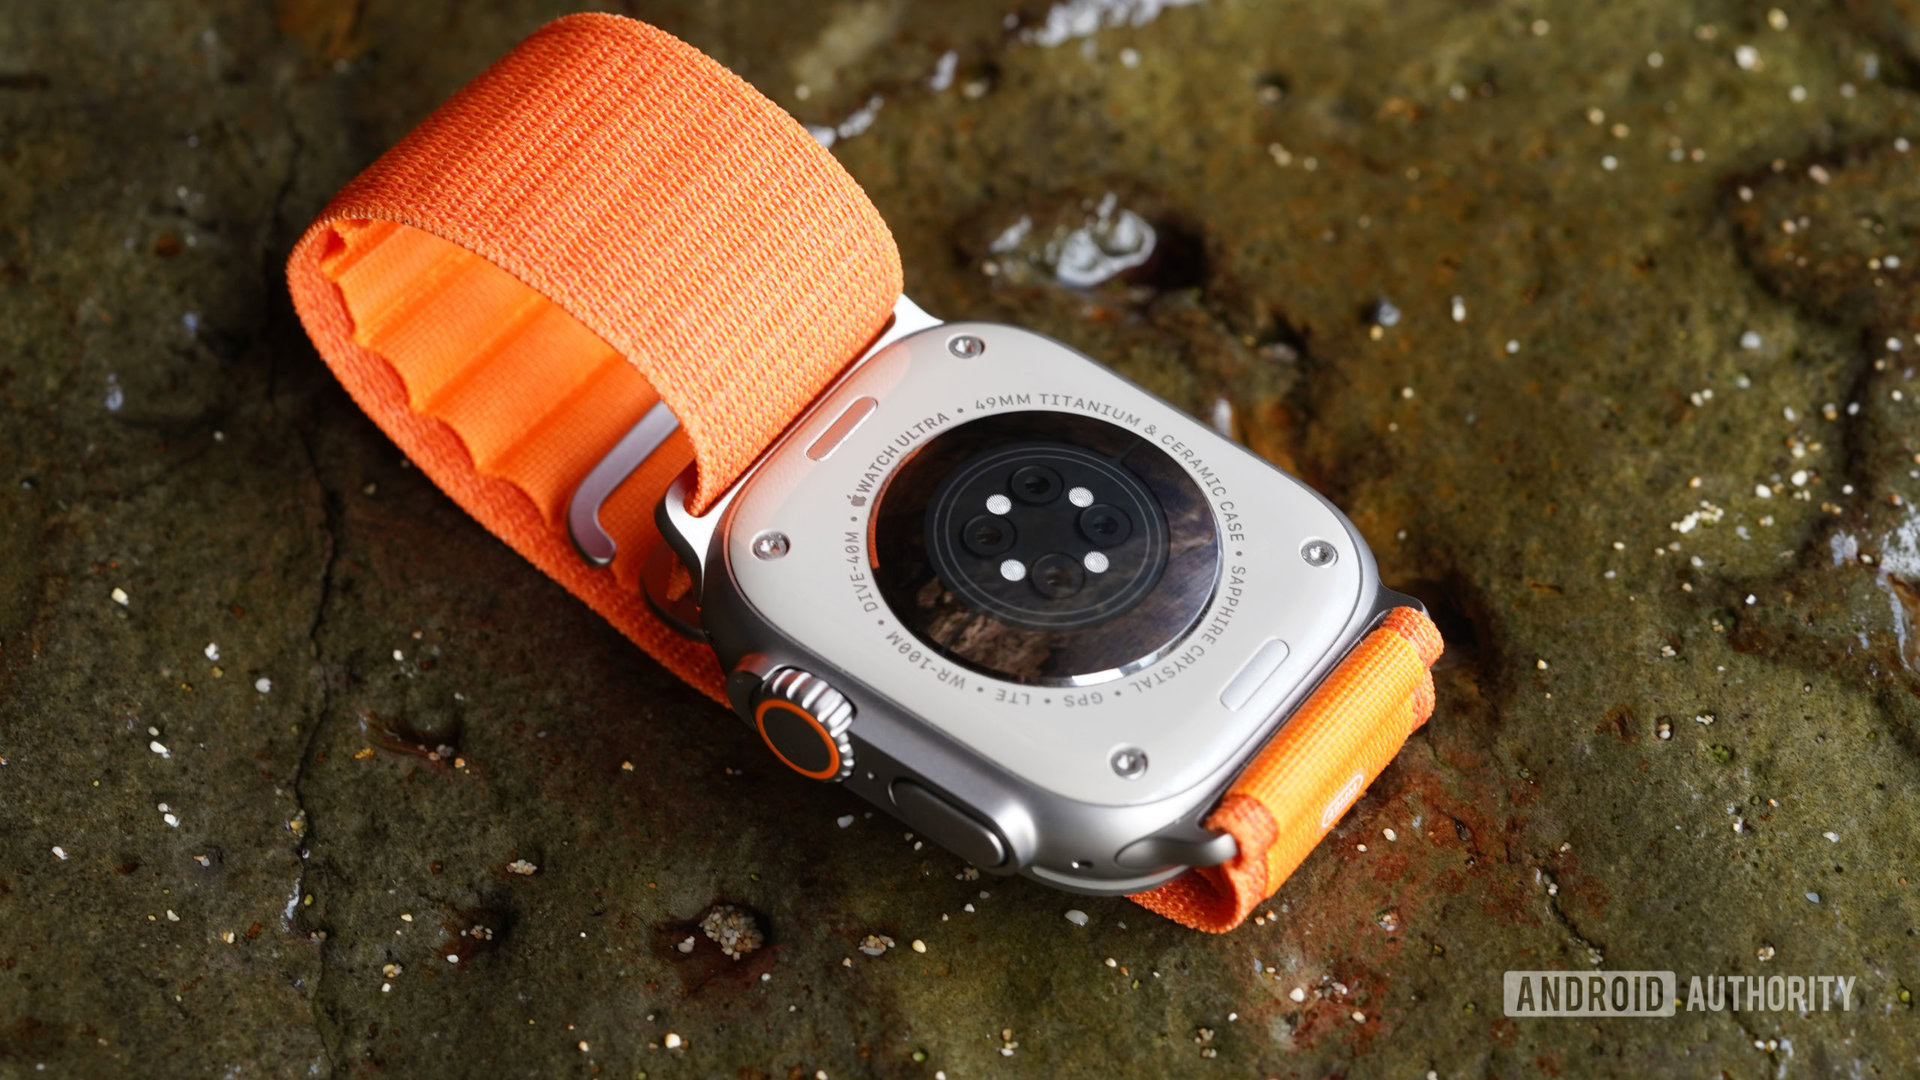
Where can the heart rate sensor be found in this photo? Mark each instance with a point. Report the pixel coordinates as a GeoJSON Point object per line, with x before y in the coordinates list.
{"type": "Point", "coordinates": [1065, 562]}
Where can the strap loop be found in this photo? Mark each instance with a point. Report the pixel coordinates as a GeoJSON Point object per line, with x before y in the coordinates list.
{"type": "Point", "coordinates": [1307, 776]}
{"type": "Point", "coordinates": [603, 220]}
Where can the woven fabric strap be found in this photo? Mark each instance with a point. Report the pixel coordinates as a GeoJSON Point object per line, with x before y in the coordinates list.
{"type": "Point", "coordinates": [1302, 782]}
{"type": "Point", "coordinates": [604, 219]}
{"type": "Point", "coordinates": [607, 219]}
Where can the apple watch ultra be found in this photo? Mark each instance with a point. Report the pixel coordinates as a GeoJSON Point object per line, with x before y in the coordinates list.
{"type": "Point", "coordinates": [634, 319]}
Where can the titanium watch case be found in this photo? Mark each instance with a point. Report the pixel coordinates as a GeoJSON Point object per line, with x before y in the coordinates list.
{"type": "Point", "coordinates": [1020, 777]}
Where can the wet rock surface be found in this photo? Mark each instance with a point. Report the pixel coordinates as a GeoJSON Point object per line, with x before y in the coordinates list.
{"type": "Point", "coordinates": [302, 773]}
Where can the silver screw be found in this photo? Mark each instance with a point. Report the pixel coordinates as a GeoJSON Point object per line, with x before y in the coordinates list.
{"type": "Point", "coordinates": [965, 346]}
{"type": "Point", "coordinates": [771, 545]}
{"type": "Point", "coordinates": [1319, 553]}
{"type": "Point", "coordinates": [1130, 762]}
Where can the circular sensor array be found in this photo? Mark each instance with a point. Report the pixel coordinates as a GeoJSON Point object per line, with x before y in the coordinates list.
{"type": "Point", "coordinates": [1046, 535]}
{"type": "Point", "coordinates": [1045, 548]}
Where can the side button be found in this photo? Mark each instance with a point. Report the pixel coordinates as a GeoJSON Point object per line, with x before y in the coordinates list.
{"type": "Point", "coordinates": [837, 432]}
{"type": "Point", "coordinates": [951, 826]}
{"type": "Point", "coordinates": [1265, 661]}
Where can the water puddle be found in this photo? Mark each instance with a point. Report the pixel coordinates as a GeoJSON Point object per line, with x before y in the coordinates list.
{"type": "Point", "coordinates": [1085, 243]}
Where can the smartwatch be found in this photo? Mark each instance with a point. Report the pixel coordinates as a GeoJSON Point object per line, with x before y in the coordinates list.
{"type": "Point", "coordinates": [634, 319]}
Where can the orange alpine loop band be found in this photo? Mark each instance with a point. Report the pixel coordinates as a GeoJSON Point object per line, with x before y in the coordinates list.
{"type": "Point", "coordinates": [1305, 778]}
{"type": "Point", "coordinates": [607, 219]}
{"type": "Point", "coordinates": [604, 219]}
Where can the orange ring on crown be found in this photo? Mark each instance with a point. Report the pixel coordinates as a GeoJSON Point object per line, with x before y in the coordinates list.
{"type": "Point", "coordinates": [833, 745]}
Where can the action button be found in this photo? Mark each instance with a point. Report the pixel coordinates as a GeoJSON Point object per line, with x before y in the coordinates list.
{"type": "Point", "coordinates": [952, 827]}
